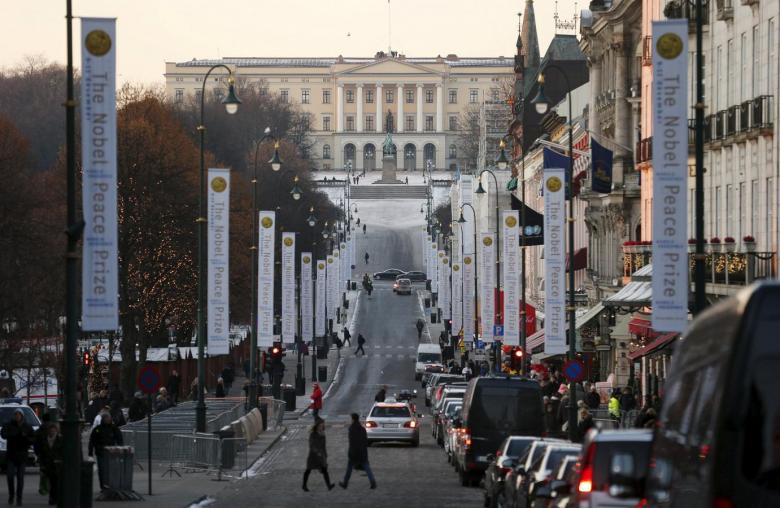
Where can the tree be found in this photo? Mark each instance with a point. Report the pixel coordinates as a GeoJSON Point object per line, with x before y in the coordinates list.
{"type": "Point", "coordinates": [469, 135]}
{"type": "Point", "coordinates": [443, 213]}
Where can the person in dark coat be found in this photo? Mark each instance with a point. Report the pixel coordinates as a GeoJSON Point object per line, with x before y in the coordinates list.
{"type": "Point", "coordinates": [357, 454]}
{"type": "Point", "coordinates": [347, 336]}
{"type": "Point", "coordinates": [420, 326]}
{"type": "Point", "coordinates": [318, 454]}
{"type": "Point", "coordinates": [219, 392]}
{"type": "Point", "coordinates": [627, 400]}
{"type": "Point", "coordinates": [117, 415]}
{"type": "Point", "coordinates": [361, 341]}
{"type": "Point", "coordinates": [584, 425]}
{"type": "Point", "coordinates": [48, 448]}
{"type": "Point", "coordinates": [381, 395]}
{"type": "Point", "coordinates": [228, 376]}
{"type": "Point", "coordinates": [18, 435]}
{"type": "Point", "coordinates": [174, 385]}
{"type": "Point", "coordinates": [592, 398]}
{"type": "Point", "coordinates": [105, 434]}
{"type": "Point", "coordinates": [138, 409]}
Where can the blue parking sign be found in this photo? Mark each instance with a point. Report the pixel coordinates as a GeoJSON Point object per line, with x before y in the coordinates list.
{"type": "Point", "coordinates": [498, 330]}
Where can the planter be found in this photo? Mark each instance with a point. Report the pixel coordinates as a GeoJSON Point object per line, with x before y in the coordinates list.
{"type": "Point", "coordinates": [691, 248]}
{"type": "Point", "coordinates": [749, 246]}
{"type": "Point", "coordinates": [729, 247]}
{"type": "Point", "coordinates": [715, 248]}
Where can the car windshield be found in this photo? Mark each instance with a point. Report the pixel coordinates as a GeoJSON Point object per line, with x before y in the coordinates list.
{"type": "Point", "coordinates": [428, 357]}
{"type": "Point", "coordinates": [517, 447]}
{"type": "Point", "coordinates": [391, 412]}
{"type": "Point", "coordinates": [452, 409]}
{"type": "Point", "coordinates": [556, 456]}
{"type": "Point", "coordinates": [603, 459]}
{"type": "Point", "coordinates": [7, 413]}
{"type": "Point", "coordinates": [509, 409]}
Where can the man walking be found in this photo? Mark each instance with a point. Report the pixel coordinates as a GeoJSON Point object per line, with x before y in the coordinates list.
{"type": "Point", "coordinates": [357, 454]}
{"type": "Point", "coordinates": [347, 336]}
{"type": "Point", "coordinates": [105, 434]}
{"type": "Point", "coordinates": [360, 340]}
{"type": "Point", "coordinates": [18, 435]}
{"type": "Point", "coordinates": [366, 256]}
{"type": "Point", "coordinates": [174, 384]}
{"type": "Point", "coordinates": [420, 325]}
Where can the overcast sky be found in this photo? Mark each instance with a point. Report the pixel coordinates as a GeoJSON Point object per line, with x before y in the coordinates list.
{"type": "Point", "coordinates": [151, 32]}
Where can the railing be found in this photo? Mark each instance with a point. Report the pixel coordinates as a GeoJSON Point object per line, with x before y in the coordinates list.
{"type": "Point", "coordinates": [762, 112]}
{"type": "Point", "coordinates": [744, 116]}
{"type": "Point", "coordinates": [731, 120]}
{"type": "Point", "coordinates": [725, 9]}
{"type": "Point", "coordinates": [720, 125]}
{"type": "Point", "coordinates": [737, 268]}
{"type": "Point", "coordinates": [332, 182]}
{"type": "Point", "coordinates": [752, 117]}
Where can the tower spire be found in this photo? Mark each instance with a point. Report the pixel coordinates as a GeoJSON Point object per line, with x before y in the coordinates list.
{"type": "Point", "coordinates": [530, 39]}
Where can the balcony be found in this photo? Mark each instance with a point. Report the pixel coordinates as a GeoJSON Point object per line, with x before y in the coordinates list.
{"type": "Point", "coordinates": [725, 9]}
{"type": "Point", "coordinates": [731, 120]}
{"type": "Point", "coordinates": [679, 9]}
{"type": "Point", "coordinates": [644, 150]}
{"type": "Point", "coordinates": [762, 118]}
{"type": "Point", "coordinates": [736, 268]}
{"type": "Point", "coordinates": [720, 125]}
{"type": "Point", "coordinates": [744, 116]}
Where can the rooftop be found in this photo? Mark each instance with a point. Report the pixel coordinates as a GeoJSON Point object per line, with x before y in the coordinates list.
{"type": "Point", "coordinates": [451, 60]}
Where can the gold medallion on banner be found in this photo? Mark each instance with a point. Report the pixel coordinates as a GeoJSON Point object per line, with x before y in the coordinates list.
{"type": "Point", "coordinates": [554, 184]}
{"type": "Point", "coordinates": [219, 184]}
{"type": "Point", "coordinates": [467, 260]}
{"type": "Point", "coordinates": [511, 221]}
{"type": "Point", "coordinates": [98, 42]}
{"type": "Point", "coordinates": [267, 222]}
{"type": "Point", "coordinates": [306, 260]}
{"type": "Point", "coordinates": [330, 261]}
{"type": "Point", "coordinates": [445, 261]}
{"type": "Point", "coordinates": [487, 241]}
{"type": "Point", "coordinates": [335, 254]}
{"type": "Point", "coordinates": [321, 266]}
{"type": "Point", "coordinates": [456, 267]}
{"type": "Point", "coordinates": [288, 242]}
{"type": "Point", "coordinates": [441, 254]}
{"type": "Point", "coordinates": [669, 46]}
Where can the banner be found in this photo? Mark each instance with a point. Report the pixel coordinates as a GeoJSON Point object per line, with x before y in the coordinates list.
{"type": "Point", "coordinates": [424, 251]}
{"type": "Point", "coordinates": [457, 298]}
{"type": "Point", "coordinates": [439, 275]}
{"type": "Point", "coordinates": [553, 159]}
{"type": "Point", "coordinates": [100, 266]}
{"type": "Point", "coordinates": [433, 262]}
{"type": "Point", "coordinates": [320, 299]}
{"type": "Point", "coordinates": [330, 297]}
{"type": "Point", "coordinates": [336, 285]}
{"type": "Point", "coordinates": [445, 296]}
{"type": "Point", "coordinates": [466, 197]}
{"type": "Point", "coordinates": [289, 309]}
{"type": "Point", "coordinates": [601, 168]}
{"type": "Point", "coordinates": [511, 274]}
{"type": "Point", "coordinates": [554, 262]}
{"type": "Point", "coordinates": [469, 270]}
{"type": "Point", "coordinates": [265, 280]}
{"type": "Point", "coordinates": [343, 266]}
{"type": "Point", "coordinates": [307, 300]}
{"type": "Point", "coordinates": [218, 257]}
{"type": "Point", "coordinates": [670, 176]}
{"type": "Point", "coordinates": [487, 280]}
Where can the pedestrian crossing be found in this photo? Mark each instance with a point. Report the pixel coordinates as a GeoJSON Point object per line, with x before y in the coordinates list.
{"type": "Point", "coordinates": [400, 356]}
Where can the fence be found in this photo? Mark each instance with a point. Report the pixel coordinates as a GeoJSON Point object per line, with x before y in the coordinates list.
{"type": "Point", "coordinates": [603, 420]}
{"type": "Point", "coordinates": [207, 452]}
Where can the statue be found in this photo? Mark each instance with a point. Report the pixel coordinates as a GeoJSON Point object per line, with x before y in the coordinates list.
{"type": "Point", "coordinates": [388, 147]}
{"type": "Point", "coordinates": [389, 122]}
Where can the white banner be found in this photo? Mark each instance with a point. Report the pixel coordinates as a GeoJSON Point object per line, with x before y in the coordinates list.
{"type": "Point", "coordinates": [445, 295]}
{"type": "Point", "coordinates": [487, 282]}
{"type": "Point", "coordinates": [100, 268]}
{"type": "Point", "coordinates": [330, 298]}
{"type": "Point", "coordinates": [511, 274]}
{"type": "Point", "coordinates": [320, 299]}
{"type": "Point", "coordinates": [439, 275]}
{"type": "Point", "coordinates": [424, 250]}
{"type": "Point", "coordinates": [289, 309]}
{"type": "Point", "coordinates": [217, 290]}
{"type": "Point", "coordinates": [554, 261]}
{"type": "Point", "coordinates": [343, 266]}
{"type": "Point", "coordinates": [670, 176]}
{"type": "Point", "coordinates": [469, 270]}
{"type": "Point", "coordinates": [457, 298]}
{"type": "Point", "coordinates": [307, 300]}
{"type": "Point", "coordinates": [466, 197]}
{"type": "Point", "coordinates": [336, 284]}
{"type": "Point", "coordinates": [432, 262]}
{"type": "Point", "coordinates": [265, 280]}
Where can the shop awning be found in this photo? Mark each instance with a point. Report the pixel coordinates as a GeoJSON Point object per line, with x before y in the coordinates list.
{"type": "Point", "coordinates": [658, 343]}
{"type": "Point", "coordinates": [634, 294]}
{"type": "Point", "coordinates": [534, 340]}
{"type": "Point", "coordinates": [580, 259]}
{"type": "Point", "coordinates": [640, 324]}
{"type": "Point", "coordinates": [537, 339]}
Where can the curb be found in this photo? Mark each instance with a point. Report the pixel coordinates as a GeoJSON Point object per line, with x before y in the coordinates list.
{"type": "Point", "coordinates": [270, 445]}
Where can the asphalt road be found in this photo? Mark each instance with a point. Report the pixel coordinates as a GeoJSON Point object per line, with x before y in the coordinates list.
{"type": "Point", "coordinates": [406, 476]}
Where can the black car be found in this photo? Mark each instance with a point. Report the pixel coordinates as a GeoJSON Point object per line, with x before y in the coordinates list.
{"type": "Point", "coordinates": [413, 276]}
{"type": "Point", "coordinates": [389, 274]}
{"type": "Point", "coordinates": [506, 458]}
{"type": "Point", "coordinates": [716, 442]}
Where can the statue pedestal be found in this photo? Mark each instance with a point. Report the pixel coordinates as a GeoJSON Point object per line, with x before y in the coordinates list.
{"type": "Point", "coordinates": [388, 171]}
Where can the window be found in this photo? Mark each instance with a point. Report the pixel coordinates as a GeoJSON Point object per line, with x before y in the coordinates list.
{"type": "Point", "coordinates": [429, 122]}
{"type": "Point", "coordinates": [716, 224]}
{"type": "Point", "coordinates": [326, 151]}
{"type": "Point", "coordinates": [350, 123]}
{"type": "Point", "coordinates": [719, 79]}
{"type": "Point", "coordinates": [326, 123]}
{"type": "Point", "coordinates": [743, 88]}
{"type": "Point", "coordinates": [305, 94]}
{"type": "Point", "coordinates": [741, 203]}
{"type": "Point", "coordinates": [473, 96]}
{"type": "Point", "coordinates": [453, 96]}
{"type": "Point", "coordinates": [771, 46]}
{"type": "Point", "coordinates": [326, 96]}
{"type": "Point", "coordinates": [409, 96]}
{"type": "Point", "coordinates": [284, 95]}
{"type": "Point", "coordinates": [730, 84]}
{"type": "Point", "coordinates": [263, 92]}
{"type": "Point", "coordinates": [453, 152]}
{"type": "Point", "coordinates": [198, 95]}
{"type": "Point", "coordinates": [770, 209]}
{"type": "Point", "coordinates": [409, 124]}
{"type": "Point", "coordinates": [389, 96]}
{"type": "Point", "coordinates": [179, 97]}
{"type": "Point", "coordinates": [429, 96]}
{"type": "Point", "coordinates": [494, 94]}
{"type": "Point", "coordinates": [350, 96]}
{"type": "Point", "coordinates": [756, 62]}
{"type": "Point", "coordinates": [391, 123]}
{"type": "Point", "coordinates": [369, 96]}
{"type": "Point", "coordinates": [754, 207]}
{"type": "Point", "coordinates": [729, 210]}
{"type": "Point", "coordinates": [453, 123]}
{"type": "Point", "coordinates": [369, 123]}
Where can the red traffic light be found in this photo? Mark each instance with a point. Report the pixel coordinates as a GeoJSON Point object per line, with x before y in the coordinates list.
{"type": "Point", "coordinates": [518, 353]}
{"type": "Point", "coordinates": [87, 359]}
{"type": "Point", "coordinates": [275, 351]}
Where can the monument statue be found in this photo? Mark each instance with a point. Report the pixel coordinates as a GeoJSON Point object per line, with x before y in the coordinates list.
{"type": "Point", "coordinates": [389, 154]}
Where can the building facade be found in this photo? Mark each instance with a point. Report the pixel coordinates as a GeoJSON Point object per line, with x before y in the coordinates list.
{"type": "Point", "coordinates": [349, 101]}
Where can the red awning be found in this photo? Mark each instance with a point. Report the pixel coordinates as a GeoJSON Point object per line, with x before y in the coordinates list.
{"type": "Point", "coordinates": [580, 259]}
{"type": "Point", "coordinates": [534, 340]}
{"type": "Point", "coordinates": [659, 342]}
{"type": "Point", "coordinates": [640, 325]}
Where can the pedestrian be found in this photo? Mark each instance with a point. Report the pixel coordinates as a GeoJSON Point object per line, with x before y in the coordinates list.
{"type": "Point", "coordinates": [381, 395]}
{"type": "Point", "coordinates": [316, 401]}
{"type": "Point", "coordinates": [219, 392]}
{"type": "Point", "coordinates": [318, 454]}
{"type": "Point", "coordinates": [466, 371]}
{"type": "Point", "coordinates": [357, 453]}
{"type": "Point", "coordinates": [360, 340]}
{"type": "Point", "coordinates": [614, 405]}
{"type": "Point", "coordinates": [173, 385]}
{"type": "Point", "coordinates": [105, 434]}
{"type": "Point", "coordinates": [420, 325]}
{"type": "Point", "coordinates": [18, 435]}
{"type": "Point", "coordinates": [364, 229]}
{"type": "Point", "coordinates": [366, 256]}
{"type": "Point", "coordinates": [627, 400]}
{"type": "Point", "coordinates": [117, 415]}
{"type": "Point", "coordinates": [49, 451]}
{"type": "Point", "coordinates": [138, 409]}
{"type": "Point", "coordinates": [347, 336]}
{"type": "Point", "coordinates": [585, 424]}
{"type": "Point", "coordinates": [358, 221]}
{"type": "Point", "coordinates": [228, 376]}
{"type": "Point", "coordinates": [550, 416]}
{"type": "Point", "coordinates": [592, 398]}
{"type": "Point", "coordinates": [406, 180]}
{"type": "Point", "coordinates": [162, 402]}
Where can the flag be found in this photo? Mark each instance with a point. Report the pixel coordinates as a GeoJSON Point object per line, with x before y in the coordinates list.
{"type": "Point", "coordinates": [553, 159]}
{"type": "Point", "coordinates": [601, 168]}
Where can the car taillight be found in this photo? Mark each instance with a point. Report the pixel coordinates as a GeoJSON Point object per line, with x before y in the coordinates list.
{"type": "Point", "coordinates": [585, 484]}
{"type": "Point", "coordinates": [504, 470]}
{"type": "Point", "coordinates": [371, 424]}
{"type": "Point", "coordinates": [411, 424]}
{"type": "Point", "coordinates": [722, 502]}
{"type": "Point", "coordinates": [466, 438]}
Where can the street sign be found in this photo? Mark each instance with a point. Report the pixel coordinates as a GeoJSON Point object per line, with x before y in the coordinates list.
{"type": "Point", "coordinates": [498, 330]}
{"type": "Point", "coordinates": [149, 380]}
{"type": "Point", "coordinates": [574, 370]}
{"type": "Point", "coordinates": [480, 344]}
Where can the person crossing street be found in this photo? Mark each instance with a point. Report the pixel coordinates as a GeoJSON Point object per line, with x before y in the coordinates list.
{"type": "Point", "coordinates": [420, 326]}
{"type": "Point", "coordinates": [360, 340]}
{"type": "Point", "coordinates": [318, 454]}
{"type": "Point", "coordinates": [357, 454]}
{"type": "Point", "coordinates": [347, 336]}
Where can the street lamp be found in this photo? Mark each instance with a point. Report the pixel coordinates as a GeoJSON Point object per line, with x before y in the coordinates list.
{"type": "Point", "coordinates": [312, 220]}
{"type": "Point", "coordinates": [542, 104]}
{"type": "Point", "coordinates": [231, 103]}
{"type": "Point", "coordinates": [296, 192]}
{"type": "Point", "coordinates": [462, 220]}
{"type": "Point", "coordinates": [502, 162]}
{"type": "Point", "coordinates": [481, 190]}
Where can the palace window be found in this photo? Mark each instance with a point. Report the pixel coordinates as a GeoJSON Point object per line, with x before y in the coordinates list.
{"type": "Point", "coordinates": [350, 123]}
{"type": "Point", "coordinates": [179, 97]}
{"type": "Point", "coordinates": [284, 95]}
{"type": "Point", "coordinates": [409, 123]}
{"type": "Point", "coordinates": [429, 96]}
{"type": "Point", "coordinates": [369, 123]}
{"type": "Point", "coordinates": [453, 96]}
{"type": "Point", "coordinates": [326, 123]}
{"type": "Point", "coordinates": [453, 123]}
{"type": "Point", "coordinates": [326, 151]}
{"type": "Point", "coordinates": [453, 152]}
{"type": "Point", "coordinates": [410, 96]}
{"type": "Point", "coordinates": [473, 96]}
{"type": "Point", "coordinates": [389, 96]}
{"type": "Point", "coordinates": [326, 96]}
{"type": "Point", "coordinates": [429, 123]}
{"type": "Point", "coordinates": [350, 96]}
{"type": "Point", "coordinates": [369, 96]}
{"type": "Point", "coordinates": [305, 94]}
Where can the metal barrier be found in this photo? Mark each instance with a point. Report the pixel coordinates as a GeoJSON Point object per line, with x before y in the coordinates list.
{"type": "Point", "coordinates": [628, 418]}
{"type": "Point", "coordinates": [204, 452]}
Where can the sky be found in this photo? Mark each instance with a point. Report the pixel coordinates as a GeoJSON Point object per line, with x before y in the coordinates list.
{"type": "Point", "coordinates": [151, 32]}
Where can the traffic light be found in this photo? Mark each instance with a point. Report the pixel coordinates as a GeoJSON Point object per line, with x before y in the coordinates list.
{"type": "Point", "coordinates": [87, 359]}
{"type": "Point", "coordinates": [276, 352]}
{"type": "Point", "coordinates": [517, 359]}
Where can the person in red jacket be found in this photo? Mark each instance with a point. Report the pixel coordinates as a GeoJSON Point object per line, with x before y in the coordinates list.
{"type": "Point", "coordinates": [316, 401]}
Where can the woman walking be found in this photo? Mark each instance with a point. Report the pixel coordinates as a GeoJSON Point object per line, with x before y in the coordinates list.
{"type": "Point", "coordinates": [318, 454]}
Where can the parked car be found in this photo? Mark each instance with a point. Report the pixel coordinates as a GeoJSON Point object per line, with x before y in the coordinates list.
{"type": "Point", "coordinates": [438, 413]}
{"type": "Point", "coordinates": [520, 467]}
{"type": "Point", "coordinates": [495, 408]}
{"type": "Point", "coordinates": [453, 428]}
{"type": "Point", "coordinates": [389, 274]}
{"type": "Point", "coordinates": [449, 389]}
{"type": "Point", "coordinates": [392, 421]}
{"type": "Point", "coordinates": [439, 379]}
{"type": "Point", "coordinates": [7, 411]}
{"type": "Point", "coordinates": [403, 287]}
{"type": "Point", "coordinates": [413, 276]}
{"type": "Point", "coordinates": [547, 496]}
{"type": "Point", "coordinates": [541, 472]}
{"type": "Point", "coordinates": [717, 437]}
{"type": "Point", "coordinates": [502, 462]}
{"type": "Point", "coordinates": [449, 408]}
{"type": "Point", "coordinates": [426, 353]}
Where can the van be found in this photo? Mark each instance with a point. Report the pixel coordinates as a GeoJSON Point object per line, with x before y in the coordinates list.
{"type": "Point", "coordinates": [495, 408]}
{"type": "Point", "coordinates": [426, 353]}
{"type": "Point", "coordinates": [717, 439]}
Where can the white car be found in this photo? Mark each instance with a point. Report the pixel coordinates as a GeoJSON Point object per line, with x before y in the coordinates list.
{"type": "Point", "coordinates": [426, 353]}
{"type": "Point", "coordinates": [403, 287]}
{"type": "Point", "coordinates": [392, 421]}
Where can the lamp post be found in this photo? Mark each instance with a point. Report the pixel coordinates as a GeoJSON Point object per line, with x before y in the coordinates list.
{"type": "Point", "coordinates": [462, 220]}
{"type": "Point", "coordinates": [481, 190]}
{"type": "Point", "coordinates": [542, 104]}
{"type": "Point", "coordinates": [699, 294]}
{"type": "Point", "coordinates": [276, 164]}
{"type": "Point", "coordinates": [231, 103]}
